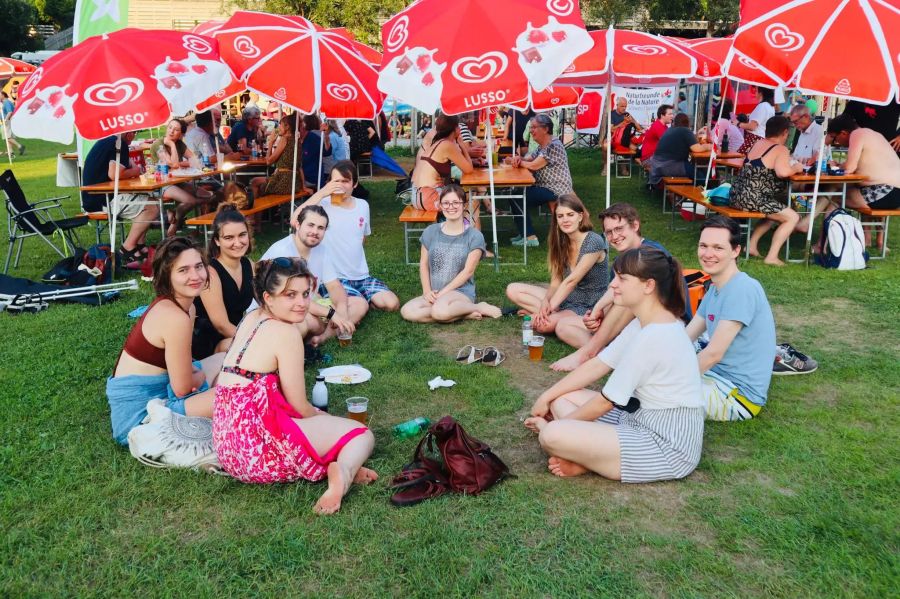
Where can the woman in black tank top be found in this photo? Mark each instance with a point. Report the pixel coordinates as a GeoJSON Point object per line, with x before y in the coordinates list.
{"type": "Point", "coordinates": [222, 305]}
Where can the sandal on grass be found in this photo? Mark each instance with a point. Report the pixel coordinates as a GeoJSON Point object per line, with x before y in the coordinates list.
{"type": "Point", "coordinates": [469, 354]}
{"type": "Point", "coordinates": [492, 356]}
{"type": "Point", "coordinates": [131, 259]}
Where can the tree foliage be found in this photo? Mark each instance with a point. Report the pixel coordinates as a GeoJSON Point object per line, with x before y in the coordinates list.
{"type": "Point", "coordinates": [362, 17]}
{"type": "Point", "coordinates": [18, 18]}
{"type": "Point", "coordinates": [58, 12]}
{"type": "Point", "coordinates": [645, 13]}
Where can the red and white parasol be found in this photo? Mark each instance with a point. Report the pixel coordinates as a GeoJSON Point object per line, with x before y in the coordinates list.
{"type": "Point", "coordinates": [122, 81]}
{"type": "Point", "coordinates": [290, 59]}
{"type": "Point", "coordinates": [458, 57]}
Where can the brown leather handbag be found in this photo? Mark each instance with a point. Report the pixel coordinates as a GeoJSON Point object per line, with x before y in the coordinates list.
{"type": "Point", "coordinates": [470, 464]}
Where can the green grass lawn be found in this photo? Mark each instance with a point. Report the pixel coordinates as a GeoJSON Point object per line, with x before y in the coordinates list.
{"type": "Point", "coordinates": [801, 501]}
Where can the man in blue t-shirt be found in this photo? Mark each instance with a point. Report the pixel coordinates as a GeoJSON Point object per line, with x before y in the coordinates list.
{"type": "Point", "coordinates": [7, 107]}
{"type": "Point", "coordinates": [737, 362]}
{"type": "Point", "coordinates": [246, 130]}
{"type": "Point", "coordinates": [100, 166]}
{"type": "Point", "coordinates": [622, 227]}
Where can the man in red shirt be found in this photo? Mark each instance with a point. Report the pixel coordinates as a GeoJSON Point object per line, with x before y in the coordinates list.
{"type": "Point", "coordinates": [664, 115]}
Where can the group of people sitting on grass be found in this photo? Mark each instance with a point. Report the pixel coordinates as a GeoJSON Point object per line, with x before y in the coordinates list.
{"type": "Point", "coordinates": [224, 338]}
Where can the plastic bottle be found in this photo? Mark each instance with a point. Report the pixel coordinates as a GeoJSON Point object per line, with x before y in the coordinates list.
{"type": "Point", "coordinates": [162, 165]}
{"type": "Point", "coordinates": [254, 153]}
{"type": "Point", "coordinates": [411, 428]}
{"type": "Point", "coordinates": [526, 331]}
{"type": "Point", "coordinates": [320, 394]}
{"type": "Point", "coordinates": [725, 143]}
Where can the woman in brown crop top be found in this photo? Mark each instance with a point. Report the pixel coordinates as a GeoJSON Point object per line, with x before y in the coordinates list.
{"type": "Point", "coordinates": [155, 361]}
{"type": "Point", "coordinates": [439, 152]}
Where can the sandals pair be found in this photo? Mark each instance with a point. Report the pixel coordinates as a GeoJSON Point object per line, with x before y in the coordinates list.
{"type": "Point", "coordinates": [489, 356]}
{"type": "Point", "coordinates": [417, 482]}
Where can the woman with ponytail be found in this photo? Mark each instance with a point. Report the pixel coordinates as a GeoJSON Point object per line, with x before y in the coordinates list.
{"type": "Point", "coordinates": [646, 424]}
{"type": "Point", "coordinates": [222, 304]}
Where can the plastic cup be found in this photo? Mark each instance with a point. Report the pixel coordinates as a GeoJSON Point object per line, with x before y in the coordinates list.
{"type": "Point", "coordinates": [536, 348]}
{"type": "Point", "coordinates": [358, 409]}
{"type": "Point", "coordinates": [344, 339]}
{"type": "Point", "coordinates": [337, 199]}
{"type": "Point", "coordinates": [220, 159]}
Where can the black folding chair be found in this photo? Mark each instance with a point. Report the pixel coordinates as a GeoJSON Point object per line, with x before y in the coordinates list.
{"type": "Point", "coordinates": [27, 220]}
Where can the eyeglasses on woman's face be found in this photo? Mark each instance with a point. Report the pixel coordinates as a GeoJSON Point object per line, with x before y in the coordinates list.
{"type": "Point", "coordinates": [451, 204]}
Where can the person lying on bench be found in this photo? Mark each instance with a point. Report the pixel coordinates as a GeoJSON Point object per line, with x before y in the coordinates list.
{"type": "Point", "coordinates": [646, 424]}
{"type": "Point", "coordinates": [736, 364]}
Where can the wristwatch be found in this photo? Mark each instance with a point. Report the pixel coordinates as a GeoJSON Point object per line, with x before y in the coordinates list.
{"type": "Point", "coordinates": [331, 312]}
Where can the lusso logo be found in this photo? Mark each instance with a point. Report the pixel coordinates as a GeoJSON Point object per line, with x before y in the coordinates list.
{"type": "Point", "coordinates": [194, 43]}
{"type": "Point", "coordinates": [645, 50]}
{"type": "Point", "coordinates": [341, 92]}
{"type": "Point", "coordinates": [244, 46]}
{"type": "Point", "coordinates": [114, 94]}
{"type": "Point", "coordinates": [398, 34]}
{"type": "Point", "coordinates": [780, 37]}
{"type": "Point", "coordinates": [122, 122]}
{"type": "Point", "coordinates": [31, 82]}
{"type": "Point", "coordinates": [472, 69]}
{"type": "Point", "coordinates": [561, 8]}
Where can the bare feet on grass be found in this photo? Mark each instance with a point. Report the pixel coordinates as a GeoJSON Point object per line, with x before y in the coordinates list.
{"type": "Point", "coordinates": [569, 363]}
{"type": "Point", "coordinates": [486, 309]}
{"type": "Point", "coordinates": [565, 468]}
{"type": "Point", "coordinates": [338, 485]}
{"type": "Point", "coordinates": [365, 476]}
{"type": "Point", "coordinates": [535, 423]}
{"type": "Point", "coordinates": [773, 262]}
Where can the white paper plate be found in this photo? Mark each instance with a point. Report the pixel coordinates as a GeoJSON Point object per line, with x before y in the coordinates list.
{"type": "Point", "coordinates": [350, 374]}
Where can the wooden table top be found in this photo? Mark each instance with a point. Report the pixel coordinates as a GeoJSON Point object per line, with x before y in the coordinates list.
{"type": "Point", "coordinates": [720, 155]}
{"type": "Point", "coordinates": [136, 184]}
{"type": "Point", "coordinates": [505, 175]}
{"type": "Point", "coordinates": [811, 178]}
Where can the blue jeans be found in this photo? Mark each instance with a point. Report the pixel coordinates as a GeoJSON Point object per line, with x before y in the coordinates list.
{"type": "Point", "coordinates": [534, 196]}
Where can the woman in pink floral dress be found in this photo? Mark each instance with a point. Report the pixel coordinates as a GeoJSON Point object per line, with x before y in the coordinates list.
{"type": "Point", "coordinates": [264, 429]}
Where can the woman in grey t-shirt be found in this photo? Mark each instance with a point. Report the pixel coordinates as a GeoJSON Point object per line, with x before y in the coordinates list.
{"type": "Point", "coordinates": [450, 254]}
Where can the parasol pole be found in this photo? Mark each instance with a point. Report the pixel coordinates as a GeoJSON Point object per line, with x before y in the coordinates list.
{"type": "Point", "coordinates": [818, 169]}
{"type": "Point", "coordinates": [713, 138]}
{"type": "Point", "coordinates": [490, 150]}
{"type": "Point", "coordinates": [294, 170]}
{"type": "Point", "coordinates": [322, 135]}
{"type": "Point", "coordinates": [114, 212]}
{"type": "Point", "coordinates": [7, 131]}
{"type": "Point", "coordinates": [609, 144]}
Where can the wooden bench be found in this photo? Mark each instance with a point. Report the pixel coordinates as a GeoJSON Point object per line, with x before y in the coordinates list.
{"type": "Point", "coordinates": [411, 217]}
{"type": "Point", "coordinates": [745, 218]}
{"type": "Point", "coordinates": [261, 204]}
{"type": "Point", "coordinates": [666, 183]}
{"type": "Point", "coordinates": [623, 156]}
{"type": "Point", "coordinates": [885, 214]}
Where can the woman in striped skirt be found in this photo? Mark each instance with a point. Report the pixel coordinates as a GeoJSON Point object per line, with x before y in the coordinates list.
{"type": "Point", "coordinates": [647, 422]}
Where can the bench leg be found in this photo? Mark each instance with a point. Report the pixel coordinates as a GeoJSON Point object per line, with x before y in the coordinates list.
{"type": "Point", "coordinates": [406, 242]}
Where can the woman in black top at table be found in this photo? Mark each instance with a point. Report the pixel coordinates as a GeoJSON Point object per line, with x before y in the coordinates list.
{"type": "Point", "coordinates": [222, 304]}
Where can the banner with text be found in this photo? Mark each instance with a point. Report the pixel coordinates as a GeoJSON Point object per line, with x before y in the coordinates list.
{"type": "Point", "coordinates": [643, 102]}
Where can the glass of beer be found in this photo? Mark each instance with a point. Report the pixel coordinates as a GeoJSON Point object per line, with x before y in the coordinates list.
{"type": "Point", "coordinates": [358, 409]}
{"type": "Point", "coordinates": [337, 199]}
{"type": "Point", "coordinates": [536, 348]}
{"type": "Point", "coordinates": [344, 339]}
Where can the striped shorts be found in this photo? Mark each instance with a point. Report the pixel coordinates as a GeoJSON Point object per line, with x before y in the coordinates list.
{"type": "Point", "coordinates": [657, 444]}
{"type": "Point", "coordinates": [723, 401]}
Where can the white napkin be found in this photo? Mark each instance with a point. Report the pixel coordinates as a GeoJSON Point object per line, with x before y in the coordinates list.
{"type": "Point", "coordinates": [439, 382]}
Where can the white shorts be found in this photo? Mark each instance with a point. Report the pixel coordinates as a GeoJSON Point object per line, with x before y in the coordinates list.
{"type": "Point", "coordinates": [131, 204]}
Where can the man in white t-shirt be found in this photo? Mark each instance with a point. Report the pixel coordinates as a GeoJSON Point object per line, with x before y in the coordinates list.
{"type": "Point", "coordinates": [809, 135]}
{"type": "Point", "coordinates": [339, 311]}
{"type": "Point", "coordinates": [350, 225]}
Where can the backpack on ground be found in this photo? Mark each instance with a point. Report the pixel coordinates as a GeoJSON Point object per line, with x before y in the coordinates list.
{"type": "Point", "coordinates": [698, 283]}
{"type": "Point", "coordinates": [447, 459]}
{"type": "Point", "coordinates": [841, 244]}
{"type": "Point", "coordinates": [98, 260]}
